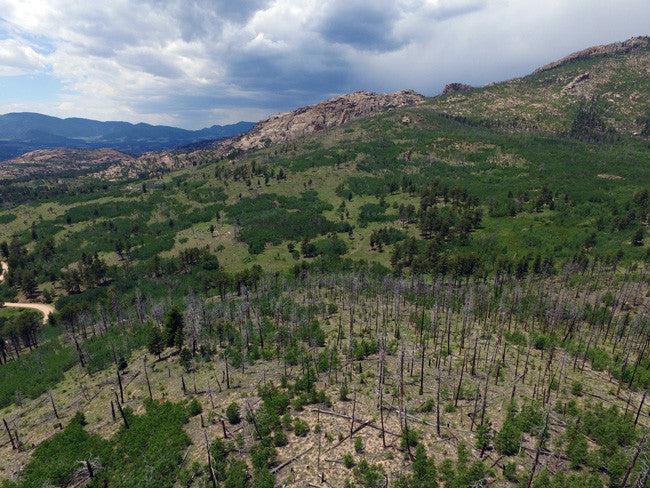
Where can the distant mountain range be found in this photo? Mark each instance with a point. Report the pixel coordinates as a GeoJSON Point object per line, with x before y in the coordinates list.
{"type": "Point", "coordinates": [26, 131]}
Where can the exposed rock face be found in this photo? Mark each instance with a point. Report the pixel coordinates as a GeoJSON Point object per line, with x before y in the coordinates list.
{"type": "Point", "coordinates": [453, 88]}
{"type": "Point", "coordinates": [331, 113]}
{"type": "Point", "coordinates": [631, 45]}
{"type": "Point", "coordinates": [574, 86]}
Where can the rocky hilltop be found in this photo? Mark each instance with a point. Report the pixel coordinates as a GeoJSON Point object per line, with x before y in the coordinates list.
{"type": "Point", "coordinates": [331, 113]}
{"type": "Point", "coordinates": [454, 88]}
{"type": "Point", "coordinates": [635, 44]}
{"type": "Point", "coordinates": [45, 162]}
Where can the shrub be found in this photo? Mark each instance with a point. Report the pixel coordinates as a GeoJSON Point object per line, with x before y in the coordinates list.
{"type": "Point", "coordinates": [450, 407]}
{"type": "Point", "coordinates": [286, 421]}
{"type": "Point", "coordinates": [510, 472]}
{"type": "Point", "coordinates": [348, 460]}
{"type": "Point", "coordinates": [428, 405]}
{"type": "Point", "coordinates": [233, 413]}
{"type": "Point", "coordinates": [300, 427]}
{"type": "Point", "coordinates": [185, 359]}
{"type": "Point", "coordinates": [576, 388]}
{"type": "Point", "coordinates": [577, 449]}
{"type": "Point", "coordinates": [358, 444]}
{"type": "Point", "coordinates": [542, 341]}
{"type": "Point", "coordinates": [121, 363]}
{"type": "Point", "coordinates": [410, 438]}
{"type": "Point", "coordinates": [280, 439]}
{"type": "Point", "coordinates": [194, 408]}
{"type": "Point", "coordinates": [369, 476]}
{"type": "Point", "coordinates": [508, 440]}
{"type": "Point", "coordinates": [343, 393]}
{"type": "Point", "coordinates": [599, 359]}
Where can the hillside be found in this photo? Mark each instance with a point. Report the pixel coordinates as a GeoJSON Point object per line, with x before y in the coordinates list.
{"type": "Point", "coordinates": [594, 94]}
{"type": "Point", "coordinates": [272, 131]}
{"type": "Point", "coordinates": [614, 76]}
{"type": "Point", "coordinates": [62, 162]}
{"type": "Point", "coordinates": [325, 115]}
{"type": "Point", "coordinates": [372, 291]}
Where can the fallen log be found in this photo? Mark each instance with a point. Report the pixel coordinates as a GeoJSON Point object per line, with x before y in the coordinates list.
{"type": "Point", "coordinates": [286, 463]}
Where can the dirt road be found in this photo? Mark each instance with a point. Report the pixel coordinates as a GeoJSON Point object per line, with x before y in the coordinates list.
{"type": "Point", "coordinates": [41, 307]}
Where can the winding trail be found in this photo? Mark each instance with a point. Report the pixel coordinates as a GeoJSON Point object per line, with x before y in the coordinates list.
{"type": "Point", "coordinates": [44, 308]}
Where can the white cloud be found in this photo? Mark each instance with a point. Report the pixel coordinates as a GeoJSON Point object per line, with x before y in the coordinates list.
{"type": "Point", "coordinates": [18, 58]}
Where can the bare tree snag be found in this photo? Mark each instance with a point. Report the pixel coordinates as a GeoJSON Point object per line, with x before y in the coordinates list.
{"type": "Point", "coordinates": [638, 412]}
{"type": "Point", "coordinates": [146, 375]}
{"type": "Point", "coordinates": [119, 407]}
{"type": "Point", "coordinates": [213, 478]}
{"type": "Point", "coordinates": [636, 456]}
{"type": "Point", "coordinates": [119, 382]}
{"type": "Point", "coordinates": [11, 438]}
{"type": "Point", "coordinates": [56, 414]}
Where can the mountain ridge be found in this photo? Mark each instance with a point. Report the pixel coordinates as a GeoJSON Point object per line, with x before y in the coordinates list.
{"type": "Point", "coordinates": [613, 76]}
{"type": "Point", "coordinates": [22, 132]}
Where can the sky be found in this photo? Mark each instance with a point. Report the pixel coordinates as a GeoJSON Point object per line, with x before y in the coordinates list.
{"type": "Point", "coordinates": [195, 63]}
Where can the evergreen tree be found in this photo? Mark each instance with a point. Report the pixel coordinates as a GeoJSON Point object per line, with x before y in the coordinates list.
{"type": "Point", "coordinates": [237, 475]}
{"type": "Point", "coordinates": [484, 436]}
{"type": "Point", "coordinates": [508, 440]}
{"type": "Point", "coordinates": [637, 238]}
{"type": "Point", "coordinates": [173, 328]}
{"type": "Point", "coordinates": [424, 469]}
{"type": "Point", "coordinates": [155, 343]}
{"type": "Point", "coordinates": [28, 284]}
{"type": "Point", "coordinates": [577, 448]}
{"type": "Point", "coordinates": [232, 412]}
{"type": "Point", "coordinates": [185, 359]}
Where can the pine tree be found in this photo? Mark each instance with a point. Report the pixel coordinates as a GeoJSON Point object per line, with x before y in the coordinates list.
{"type": "Point", "coordinates": [484, 436]}
{"type": "Point", "coordinates": [508, 440]}
{"type": "Point", "coordinates": [28, 283]}
{"type": "Point", "coordinates": [155, 343]}
{"type": "Point", "coordinates": [577, 448]}
{"type": "Point", "coordinates": [173, 328]}
{"type": "Point", "coordinates": [424, 469]}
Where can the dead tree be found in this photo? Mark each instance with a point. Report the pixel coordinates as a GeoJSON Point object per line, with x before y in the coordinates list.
{"type": "Point", "coordinates": [146, 375]}
{"type": "Point", "coordinates": [11, 438]}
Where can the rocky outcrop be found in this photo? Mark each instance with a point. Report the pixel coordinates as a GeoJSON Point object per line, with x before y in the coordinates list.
{"type": "Point", "coordinates": [454, 88]}
{"type": "Point", "coordinates": [331, 113]}
{"type": "Point", "coordinates": [574, 86]}
{"type": "Point", "coordinates": [631, 45]}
